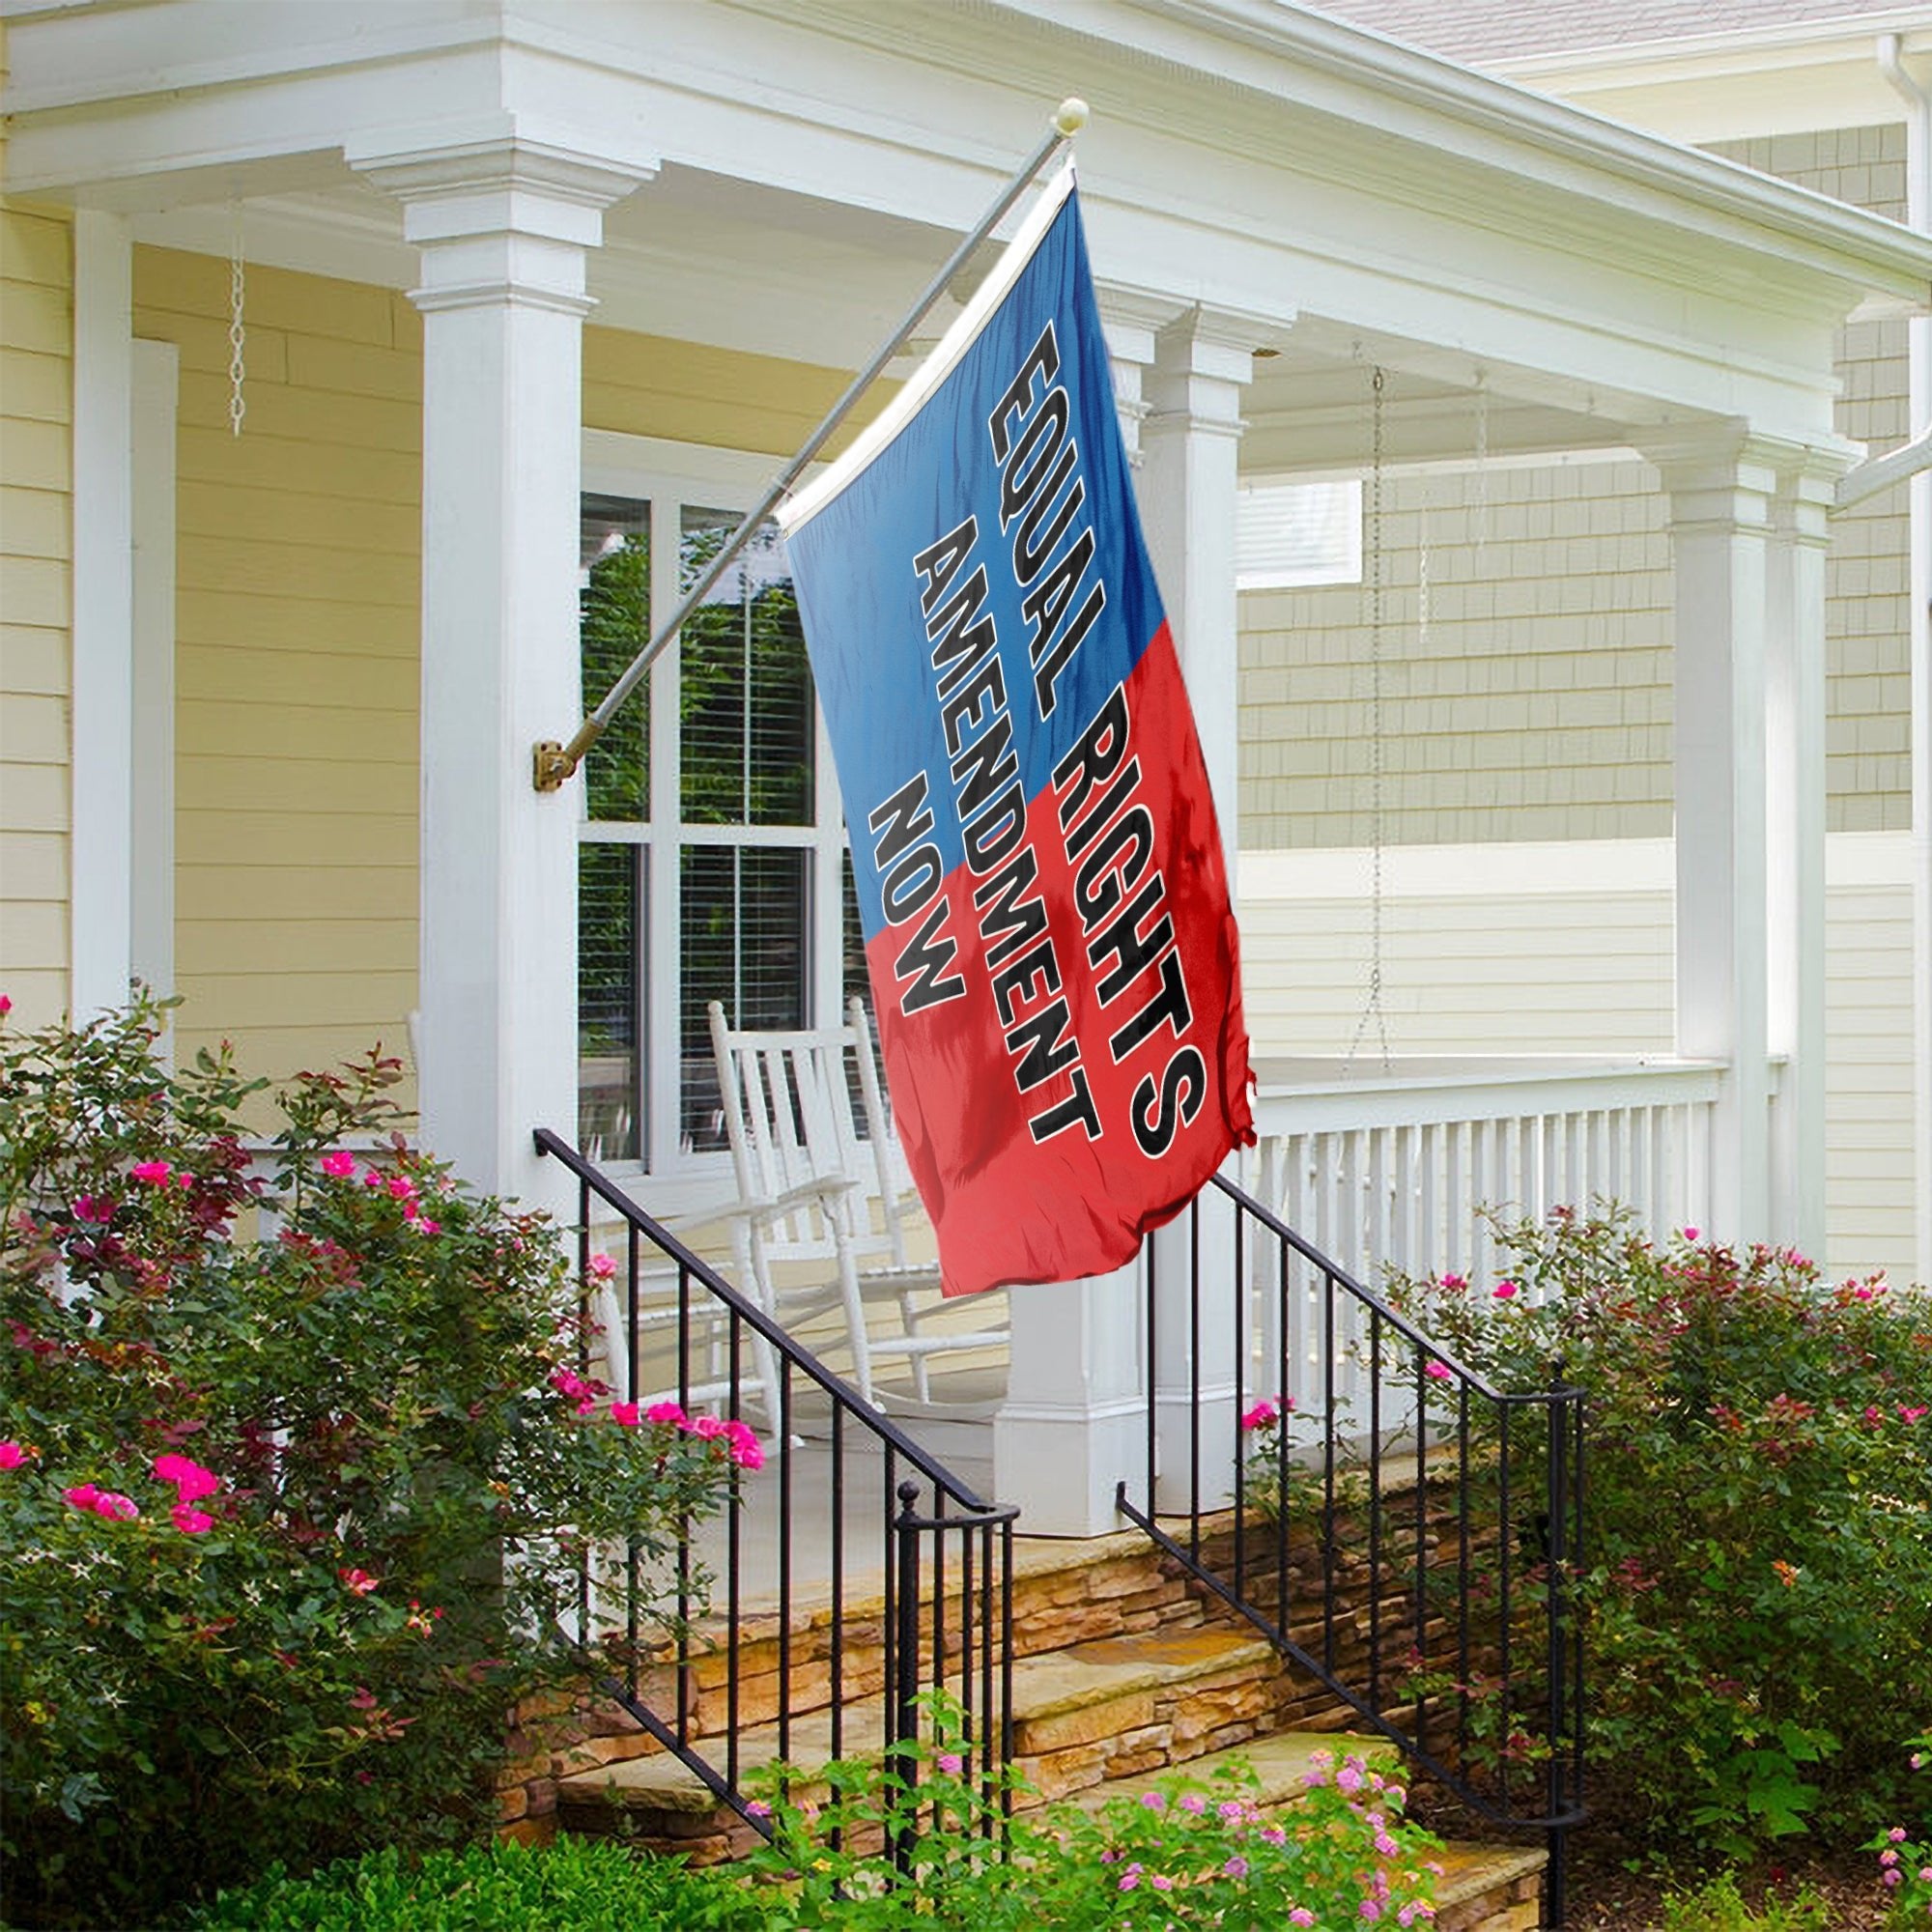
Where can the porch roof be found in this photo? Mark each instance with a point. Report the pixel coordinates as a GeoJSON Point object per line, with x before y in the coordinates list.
{"type": "Point", "coordinates": [1347, 199]}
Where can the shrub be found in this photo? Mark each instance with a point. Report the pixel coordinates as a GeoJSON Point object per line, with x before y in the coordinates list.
{"type": "Point", "coordinates": [297, 1473]}
{"type": "Point", "coordinates": [577, 1885]}
{"type": "Point", "coordinates": [1184, 1852]}
{"type": "Point", "coordinates": [1717, 1906]}
{"type": "Point", "coordinates": [1905, 1855]}
{"type": "Point", "coordinates": [1758, 1516]}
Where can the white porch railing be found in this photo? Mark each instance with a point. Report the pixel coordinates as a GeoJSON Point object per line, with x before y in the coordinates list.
{"type": "Point", "coordinates": [1385, 1169]}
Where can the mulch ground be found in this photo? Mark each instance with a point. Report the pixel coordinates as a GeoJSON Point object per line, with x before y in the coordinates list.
{"type": "Point", "coordinates": [1605, 1897]}
{"type": "Point", "coordinates": [1614, 1889]}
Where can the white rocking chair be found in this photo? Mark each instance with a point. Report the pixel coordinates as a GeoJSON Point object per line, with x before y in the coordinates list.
{"type": "Point", "coordinates": [825, 1185]}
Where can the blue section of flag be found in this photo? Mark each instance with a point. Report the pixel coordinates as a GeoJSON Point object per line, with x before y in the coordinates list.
{"type": "Point", "coordinates": [859, 591]}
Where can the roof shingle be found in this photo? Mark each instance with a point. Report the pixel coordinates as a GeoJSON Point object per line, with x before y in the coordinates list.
{"type": "Point", "coordinates": [1480, 32]}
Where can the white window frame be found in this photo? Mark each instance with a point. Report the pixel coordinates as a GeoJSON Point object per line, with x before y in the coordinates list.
{"type": "Point", "coordinates": [672, 476]}
{"type": "Point", "coordinates": [1342, 566]}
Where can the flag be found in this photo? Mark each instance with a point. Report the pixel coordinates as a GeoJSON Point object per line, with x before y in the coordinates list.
{"type": "Point", "coordinates": [1040, 871]}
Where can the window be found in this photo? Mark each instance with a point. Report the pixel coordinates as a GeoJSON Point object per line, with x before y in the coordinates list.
{"type": "Point", "coordinates": [1290, 535]}
{"type": "Point", "coordinates": [711, 863]}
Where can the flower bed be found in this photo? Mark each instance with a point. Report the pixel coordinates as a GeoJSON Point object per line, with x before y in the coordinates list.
{"type": "Point", "coordinates": [295, 1473]}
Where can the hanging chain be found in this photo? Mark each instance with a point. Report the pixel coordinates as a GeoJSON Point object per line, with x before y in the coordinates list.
{"type": "Point", "coordinates": [237, 331]}
{"type": "Point", "coordinates": [1377, 758]}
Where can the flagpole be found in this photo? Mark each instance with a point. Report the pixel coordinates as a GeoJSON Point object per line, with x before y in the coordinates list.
{"type": "Point", "coordinates": [553, 763]}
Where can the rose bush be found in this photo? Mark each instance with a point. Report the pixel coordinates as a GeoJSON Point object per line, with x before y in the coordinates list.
{"type": "Point", "coordinates": [299, 1463]}
{"type": "Point", "coordinates": [1758, 1559]}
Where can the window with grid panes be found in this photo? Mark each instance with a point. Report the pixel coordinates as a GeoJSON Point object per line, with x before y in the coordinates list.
{"type": "Point", "coordinates": [712, 862]}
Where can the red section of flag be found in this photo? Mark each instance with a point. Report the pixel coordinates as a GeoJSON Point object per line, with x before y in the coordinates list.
{"type": "Point", "coordinates": [1133, 929]}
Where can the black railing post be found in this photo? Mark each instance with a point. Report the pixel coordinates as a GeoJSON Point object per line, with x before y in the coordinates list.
{"type": "Point", "coordinates": [701, 1299]}
{"type": "Point", "coordinates": [1512, 1549]}
{"type": "Point", "coordinates": [904, 1713]}
{"type": "Point", "coordinates": [1558, 1798]}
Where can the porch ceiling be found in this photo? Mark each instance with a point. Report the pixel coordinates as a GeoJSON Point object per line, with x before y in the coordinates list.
{"type": "Point", "coordinates": [1354, 201]}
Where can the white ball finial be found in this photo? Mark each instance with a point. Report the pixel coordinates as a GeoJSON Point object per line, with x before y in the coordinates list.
{"type": "Point", "coordinates": [1070, 116]}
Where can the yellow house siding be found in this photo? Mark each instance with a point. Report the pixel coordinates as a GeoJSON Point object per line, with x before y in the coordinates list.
{"type": "Point", "coordinates": [1508, 961]}
{"type": "Point", "coordinates": [36, 549]}
{"type": "Point", "coordinates": [690, 392]}
{"type": "Point", "coordinates": [1487, 952]}
{"type": "Point", "coordinates": [297, 620]}
{"type": "Point", "coordinates": [1529, 698]}
{"type": "Point", "coordinates": [1866, 612]}
{"type": "Point", "coordinates": [1539, 704]}
{"type": "Point", "coordinates": [298, 617]}
{"type": "Point", "coordinates": [1868, 1097]}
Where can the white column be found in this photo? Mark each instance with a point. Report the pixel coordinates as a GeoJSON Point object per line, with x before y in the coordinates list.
{"type": "Point", "coordinates": [100, 858]}
{"type": "Point", "coordinates": [152, 778]}
{"type": "Point", "coordinates": [1795, 805]}
{"type": "Point", "coordinates": [1721, 488]}
{"type": "Point", "coordinates": [505, 227]}
{"type": "Point", "coordinates": [1188, 487]}
{"type": "Point", "coordinates": [1190, 441]}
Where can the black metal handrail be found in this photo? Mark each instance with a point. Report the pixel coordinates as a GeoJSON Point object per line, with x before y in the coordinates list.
{"type": "Point", "coordinates": [795, 1624]}
{"type": "Point", "coordinates": [1405, 1532]}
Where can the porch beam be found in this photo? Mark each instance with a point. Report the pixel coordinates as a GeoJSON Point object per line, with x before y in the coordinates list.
{"type": "Point", "coordinates": [505, 228]}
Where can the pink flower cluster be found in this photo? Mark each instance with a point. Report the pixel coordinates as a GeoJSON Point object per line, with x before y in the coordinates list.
{"type": "Point", "coordinates": [192, 1484]}
{"type": "Point", "coordinates": [340, 1165]}
{"type": "Point", "coordinates": [1268, 1410]}
{"type": "Point", "coordinates": [108, 1504]}
{"type": "Point", "coordinates": [741, 1443]}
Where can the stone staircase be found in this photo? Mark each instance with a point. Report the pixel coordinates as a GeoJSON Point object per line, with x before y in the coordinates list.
{"type": "Point", "coordinates": [1121, 1672]}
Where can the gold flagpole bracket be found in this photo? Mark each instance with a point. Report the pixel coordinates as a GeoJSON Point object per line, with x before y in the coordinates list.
{"type": "Point", "coordinates": [553, 764]}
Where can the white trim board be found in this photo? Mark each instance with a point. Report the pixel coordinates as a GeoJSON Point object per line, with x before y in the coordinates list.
{"type": "Point", "coordinates": [1852, 861]}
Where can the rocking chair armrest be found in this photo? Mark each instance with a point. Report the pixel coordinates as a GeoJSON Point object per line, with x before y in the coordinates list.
{"type": "Point", "coordinates": [820, 1191]}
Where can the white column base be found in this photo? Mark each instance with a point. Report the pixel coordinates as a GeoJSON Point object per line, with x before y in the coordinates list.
{"type": "Point", "coordinates": [1073, 1425]}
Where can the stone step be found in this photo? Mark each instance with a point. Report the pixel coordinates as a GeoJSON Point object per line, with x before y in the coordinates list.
{"type": "Point", "coordinates": [658, 1803]}
{"type": "Point", "coordinates": [1113, 1707]}
{"type": "Point", "coordinates": [1490, 1889]}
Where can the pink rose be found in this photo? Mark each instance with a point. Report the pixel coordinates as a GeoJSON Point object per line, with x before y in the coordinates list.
{"type": "Point", "coordinates": [82, 1497]}
{"type": "Point", "coordinates": [115, 1507]}
{"type": "Point", "coordinates": [1455, 1283]}
{"type": "Point", "coordinates": [666, 1411]}
{"type": "Point", "coordinates": [1439, 1371]}
{"type": "Point", "coordinates": [94, 1208]}
{"type": "Point", "coordinates": [625, 1414]}
{"type": "Point", "coordinates": [707, 1428]}
{"type": "Point", "coordinates": [359, 1581]}
{"type": "Point", "coordinates": [602, 1266]}
{"type": "Point", "coordinates": [6, 1006]}
{"type": "Point", "coordinates": [155, 1171]}
{"type": "Point", "coordinates": [1261, 1416]}
{"type": "Point", "coordinates": [1691, 1234]}
{"type": "Point", "coordinates": [190, 1480]}
{"type": "Point", "coordinates": [13, 1454]}
{"type": "Point", "coordinates": [1505, 1291]}
{"type": "Point", "coordinates": [339, 1165]}
{"type": "Point", "coordinates": [950, 1763]}
{"type": "Point", "coordinates": [191, 1522]}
